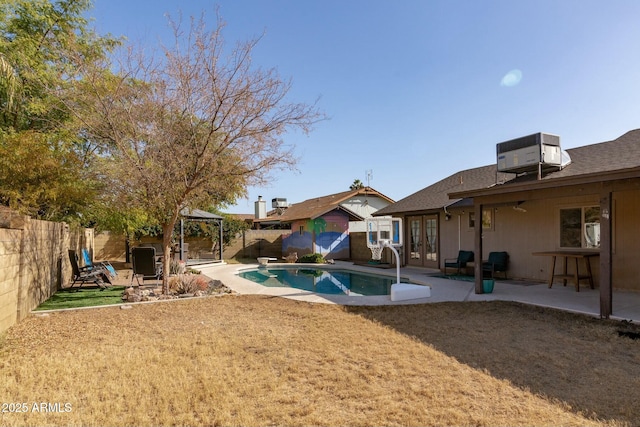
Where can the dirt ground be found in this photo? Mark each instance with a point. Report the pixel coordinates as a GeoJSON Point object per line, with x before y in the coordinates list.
{"type": "Point", "coordinates": [252, 360]}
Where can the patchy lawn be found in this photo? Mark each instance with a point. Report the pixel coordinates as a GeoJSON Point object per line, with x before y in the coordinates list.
{"type": "Point", "coordinates": [252, 360]}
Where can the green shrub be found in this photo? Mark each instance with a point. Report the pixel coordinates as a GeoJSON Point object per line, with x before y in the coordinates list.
{"type": "Point", "coordinates": [312, 258]}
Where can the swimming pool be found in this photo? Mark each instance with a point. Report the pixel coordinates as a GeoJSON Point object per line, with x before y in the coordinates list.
{"type": "Point", "coordinates": [322, 281]}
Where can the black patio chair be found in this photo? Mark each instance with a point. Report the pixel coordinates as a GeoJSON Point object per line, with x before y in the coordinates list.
{"type": "Point", "coordinates": [458, 263]}
{"type": "Point", "coordinates": [84, 275]}
{"type": "Point", "coordinates": [144, 264]}
{"type": "Point", "coordinates": [498, 262]}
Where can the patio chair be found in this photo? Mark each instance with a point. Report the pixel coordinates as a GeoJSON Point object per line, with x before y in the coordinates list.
{"type": "Point", "coordinates": [144, 264]}
{"type": "Point", "coordinates": [104, 265]}
{"type": "Point", "coordinates": [458, 263]}
{"type": "Point", "coordinates": [498, 262]}
{"type": "Point", "coordinates": [84, 275]}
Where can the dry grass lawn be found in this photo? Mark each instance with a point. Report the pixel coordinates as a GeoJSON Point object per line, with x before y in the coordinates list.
{"type": "Point", "coordinates": [259, 361]}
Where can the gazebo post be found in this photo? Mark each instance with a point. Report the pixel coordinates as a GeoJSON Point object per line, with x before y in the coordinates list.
{"type": "Point", "coordinates": [181, 239]}
{"type": "Point", "coordinates": [220, 230]}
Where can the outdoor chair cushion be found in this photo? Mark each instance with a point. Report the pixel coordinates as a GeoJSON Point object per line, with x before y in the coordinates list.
{"type": "Point", "coordinates": [497, 262]}
{"type": "Point", "coordinates": [458, 263]}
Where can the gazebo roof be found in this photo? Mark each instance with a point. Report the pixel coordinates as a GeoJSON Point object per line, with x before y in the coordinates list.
{"type": "Point", "coordinates": [198, 214]}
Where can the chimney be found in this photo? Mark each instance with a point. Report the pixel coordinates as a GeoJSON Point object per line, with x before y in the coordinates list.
{"type": "Point", "coordinates": [261, 208]}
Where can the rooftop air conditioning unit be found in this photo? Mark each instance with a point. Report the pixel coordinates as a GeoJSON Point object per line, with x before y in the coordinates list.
{"type": "Point", "coordinates": [279, 203]}
{"type": "Point", "coordinates": [533, 153]}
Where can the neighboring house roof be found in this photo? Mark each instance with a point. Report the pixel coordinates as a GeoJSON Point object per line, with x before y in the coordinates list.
{"type": "Point", "coordinates": [243, 217]}
{"type": "Point", "coordinates": [593, 162]}
{"type": "Point", "coordinates": [316, 207]}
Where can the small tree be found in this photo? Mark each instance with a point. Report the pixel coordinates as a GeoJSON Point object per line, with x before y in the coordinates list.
{"type": "Point", "coordinates": [191, 130]}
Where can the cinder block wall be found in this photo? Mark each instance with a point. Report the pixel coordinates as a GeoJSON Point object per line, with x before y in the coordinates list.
{"type": "Point", "coordinates": [9, 276]}
{"type": "Point", "coordinates": [109, 246]}
{"type": "Point", "coordinates": [250, 244]}
{"type": "Point", "coordinates": [361, 253]}
{"type": "Point", "coordinates": [256, 243]}
{"type": "Point", "coordinates": [34, 262]}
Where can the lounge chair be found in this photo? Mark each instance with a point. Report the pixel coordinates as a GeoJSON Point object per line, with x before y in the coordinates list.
{"type": "Point", "coordinates": [497, 262]}
{"type": "Point", "coordinates": [104, 265]}
{"type": "Point", "coordinates": [144, 264]}
{"type": "Point", "coordinates": [458, 263]}
{"type": "Point", "coordinates": [84, 275]}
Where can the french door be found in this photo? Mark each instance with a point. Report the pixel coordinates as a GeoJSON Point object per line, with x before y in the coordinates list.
{"type": "Point", "coordinates": [423, 241]}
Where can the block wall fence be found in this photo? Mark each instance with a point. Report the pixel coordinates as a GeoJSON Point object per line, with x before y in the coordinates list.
{"type": "Point", "coordinates": [34, 262]}
{"type": "Point", "coordinates": [249, 244]}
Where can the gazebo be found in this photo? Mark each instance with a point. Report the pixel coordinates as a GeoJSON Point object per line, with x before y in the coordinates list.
{"type": "Point", "coordinates": [201, 216]}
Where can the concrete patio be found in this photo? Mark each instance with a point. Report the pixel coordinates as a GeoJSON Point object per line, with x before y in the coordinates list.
{"type": "Point", "coordinates": [626, 305]}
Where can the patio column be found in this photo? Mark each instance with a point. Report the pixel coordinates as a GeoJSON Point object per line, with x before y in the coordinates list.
{"type": "Point", "coordinates": [606, 289]}
{"type": "Point", "coordinates": [477, 227]}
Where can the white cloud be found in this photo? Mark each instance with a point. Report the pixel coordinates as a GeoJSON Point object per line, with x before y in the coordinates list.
{"type": "Point", "coordinates": [512, 78]}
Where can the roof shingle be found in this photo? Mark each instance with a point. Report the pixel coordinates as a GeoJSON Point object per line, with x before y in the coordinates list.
{"type": "Point", "coordinates": [318, 206]}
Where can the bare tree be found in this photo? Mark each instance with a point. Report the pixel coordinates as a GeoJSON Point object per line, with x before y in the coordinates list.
{"type": "Point", "coordinates": [193, 129]}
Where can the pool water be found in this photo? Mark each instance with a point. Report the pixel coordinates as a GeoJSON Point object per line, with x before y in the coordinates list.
{"type": "Point", "coordinates": [322, 281]}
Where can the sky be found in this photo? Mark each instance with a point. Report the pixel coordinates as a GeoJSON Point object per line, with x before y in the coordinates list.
{"type": "Point", "coordinates": [416, 90]}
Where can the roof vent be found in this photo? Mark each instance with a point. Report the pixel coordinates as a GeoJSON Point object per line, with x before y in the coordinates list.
{"type": "Point", "coordinates": [566, 159]}
{"type": "Point", "coordinates": [530, 154]}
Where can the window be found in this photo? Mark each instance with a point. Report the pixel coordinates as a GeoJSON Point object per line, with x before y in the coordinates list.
{"type": "Point", "coordinates": [487, 219]}
{"type": "Point", "coordinates": [580, 227]}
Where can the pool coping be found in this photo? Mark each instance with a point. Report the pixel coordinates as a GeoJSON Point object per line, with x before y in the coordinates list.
{"type": "Point", "coordinates": [587, 301]}
{"type": "Point", "coordinates": [228, 274]}
{"type": "Point", "coordinates": [342, 299]}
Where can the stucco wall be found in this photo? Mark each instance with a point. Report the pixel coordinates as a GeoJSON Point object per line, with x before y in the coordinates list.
{"type": "Point", "coordinates": [516, 232]}
{"type": "Point", "coordinates": [536, 230]}
{"type": "Point", "coordinates": [626, 240]}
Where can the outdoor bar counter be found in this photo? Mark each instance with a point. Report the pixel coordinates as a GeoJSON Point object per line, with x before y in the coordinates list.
{"type": "Point", "coordinates": [576, 276]}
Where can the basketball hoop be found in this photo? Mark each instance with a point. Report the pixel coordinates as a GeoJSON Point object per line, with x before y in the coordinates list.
{"type": "Point", "coordinates": [381, 232]}
{"type": "Point", "coordinates": [376, 252]}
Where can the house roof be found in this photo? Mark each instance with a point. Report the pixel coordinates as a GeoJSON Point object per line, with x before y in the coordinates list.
{"type": "Point", "coordinates": [615, 159]}
{"type": "Point", "coordinates": [243, 217]}
{"type": "Point", "coordinates": [316, 207]}
{"type": "Point", "coordinates": [590, 162]}
{"type": "Point", "coordinates": [436, 196]}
